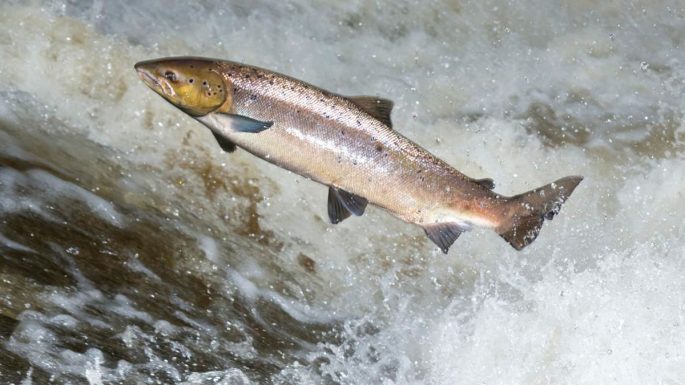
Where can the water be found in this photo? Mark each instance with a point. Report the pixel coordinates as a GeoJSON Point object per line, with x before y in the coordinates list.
{"type": "Point", "coordinates": [134, 251]}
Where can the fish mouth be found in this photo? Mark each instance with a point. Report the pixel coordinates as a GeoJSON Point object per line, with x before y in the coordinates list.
{"type": "Point", "coordinates": [161, 86]}
{"type": "Point", "coordinates": [148, 79]}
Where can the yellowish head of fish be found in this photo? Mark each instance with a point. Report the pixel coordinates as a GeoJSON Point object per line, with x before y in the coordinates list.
{"type": "Point", "coordinates": [194, 85]}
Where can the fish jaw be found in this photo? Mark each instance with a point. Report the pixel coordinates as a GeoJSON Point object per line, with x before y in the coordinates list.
{"type": "Point", "coordinates": [155, 83]}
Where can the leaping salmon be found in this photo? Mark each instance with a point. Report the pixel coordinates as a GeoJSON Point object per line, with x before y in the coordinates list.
{"type": "Point", "coordinates": [348, 144]}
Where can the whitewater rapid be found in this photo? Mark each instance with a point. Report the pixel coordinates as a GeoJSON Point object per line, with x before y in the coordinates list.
{"type": "Point", "coordinates": [133, 250]}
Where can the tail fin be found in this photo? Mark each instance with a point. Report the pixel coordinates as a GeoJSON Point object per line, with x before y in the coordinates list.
{"type": "Point", "coordinates": [533, 207]}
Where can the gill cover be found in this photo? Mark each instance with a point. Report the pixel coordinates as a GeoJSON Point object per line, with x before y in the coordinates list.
{"type": "Point", "coordinates": [194, 85]}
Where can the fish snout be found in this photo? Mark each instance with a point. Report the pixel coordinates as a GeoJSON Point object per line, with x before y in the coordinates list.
{"type": "Point", "coordinates": [146, 74]}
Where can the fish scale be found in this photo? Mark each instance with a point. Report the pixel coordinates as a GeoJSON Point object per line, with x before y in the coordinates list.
{"type": "Point", "coordinates": [337, 144]}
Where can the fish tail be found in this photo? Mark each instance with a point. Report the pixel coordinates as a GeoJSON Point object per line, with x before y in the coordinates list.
{"type": "Point", "coordinates": [531, 208]}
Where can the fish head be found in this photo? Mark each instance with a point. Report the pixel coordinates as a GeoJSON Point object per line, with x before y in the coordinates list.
{"type": "Point", "coordinates": [195, 85]}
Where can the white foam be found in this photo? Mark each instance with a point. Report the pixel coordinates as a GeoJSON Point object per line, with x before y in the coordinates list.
{"type": "Point", "coordinates": [4, 241]}
{"type": "Point", "coordinates": [93, 370]}
{"type": "Point", "coordinates": [210, 248]}
{"type": "Point", "coordinates": [596, 326]}
{"type": "Point", "coordinates": [45, 192]}
{"type": "Point", "coordinates": [27, 380]}
{"type": "Point", "coordinates": [297, 310]}
{"type": "Point", "coordinates": [136, 265]}
{"type": "Point", "coordinates": [227, 377]}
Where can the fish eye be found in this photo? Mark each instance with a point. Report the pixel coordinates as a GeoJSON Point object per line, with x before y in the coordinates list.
{"type": "Point", "coordinates": [170, 76]}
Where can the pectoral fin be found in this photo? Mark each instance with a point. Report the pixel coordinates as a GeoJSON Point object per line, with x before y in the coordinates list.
{"type": "Point", "coordinates": [243, 123]}
{"type": "Point", "coordinates": [376, 107]}
{"type": "Point", "coordinates": [443, 234]}
{"type": "Point", "coordinates": [342, 204]}
{"type": "Point", "coordinates": [224, 143]}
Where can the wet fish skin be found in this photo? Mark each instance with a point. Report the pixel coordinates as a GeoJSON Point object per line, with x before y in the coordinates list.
{"type": "Point", "coordinates": [348, 144]}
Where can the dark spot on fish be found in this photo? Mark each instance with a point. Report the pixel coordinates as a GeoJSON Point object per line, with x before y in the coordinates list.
{"type": "Point", "coordinates": [342, 132]}
{"type": "Point", "coordinates": [235, 89]}
{"type": "Point", "coordinates": [271, 82]}
{"type": "Point", "coordinates": [204, 83]}
{"type": "Point", "coordinates": [359, 123]}
{"type": "Point", "coordinates": [259, 76]}
{"type": "Point", "coordinates": [419, 171]}
{"type": "Point", "coordinates": [253, 97]}
{"type": "Point", "coordinates": [191, 81]}
{"type": "Point", "coordinates": [379, 148]}
{"type": "Point", "coordinates": [247, 76]}
{"type": "Point", "coordinates": [192, 66]}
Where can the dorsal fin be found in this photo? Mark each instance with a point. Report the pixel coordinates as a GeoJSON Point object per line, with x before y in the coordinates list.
{"type": "Point", "coordinates": [377, 107]}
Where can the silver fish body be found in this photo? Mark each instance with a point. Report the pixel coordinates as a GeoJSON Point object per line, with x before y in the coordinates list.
{"type": "Point", "coordinates": [331, 140]}
{"type": "Point", "coordinates": [347, 143]}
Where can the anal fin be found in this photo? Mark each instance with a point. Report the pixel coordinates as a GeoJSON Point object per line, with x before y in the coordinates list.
{"type": "Point", "coordinates": [443, 234]}
{"type": "Point", "coordinates": [524, 232]}
{"type": "Point", "coordinates": [342, 204]}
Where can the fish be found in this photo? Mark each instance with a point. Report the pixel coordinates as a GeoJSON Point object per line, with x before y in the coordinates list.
{"type": "Point", "coordinates": [347, 143]}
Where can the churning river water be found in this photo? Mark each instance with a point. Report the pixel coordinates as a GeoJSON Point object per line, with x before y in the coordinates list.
{"type": "Point", "coordinates": [133, 250]}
